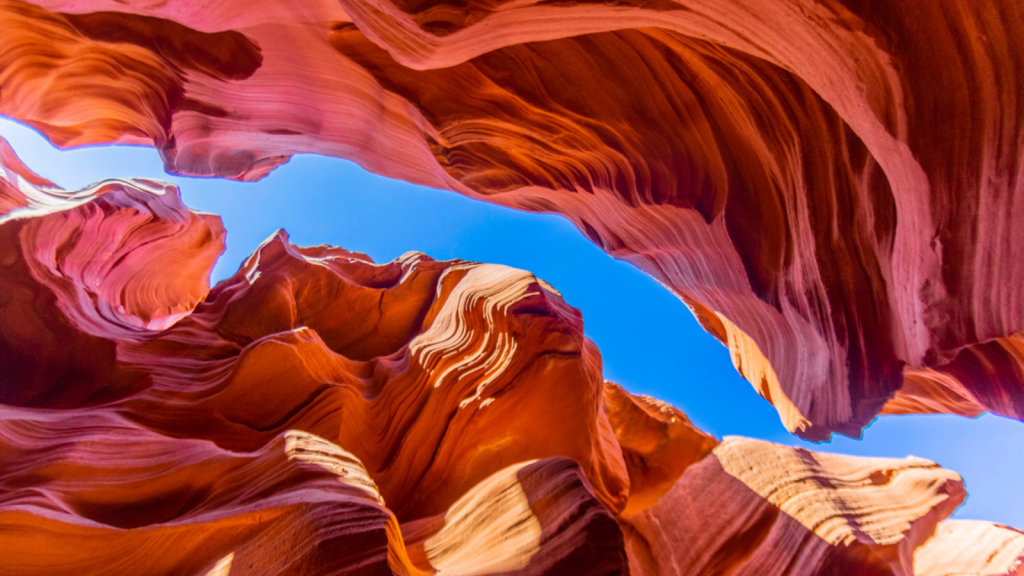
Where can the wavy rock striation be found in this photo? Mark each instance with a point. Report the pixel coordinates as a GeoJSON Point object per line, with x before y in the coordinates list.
{"type": "Point", "coordinates": [970, 548]}
{"type": "Point", "coordinates": [833, 187]}
{"type": "Point", "coordinates": [318, 413]}
{"type": "Point", "coordinates": [739, 508]}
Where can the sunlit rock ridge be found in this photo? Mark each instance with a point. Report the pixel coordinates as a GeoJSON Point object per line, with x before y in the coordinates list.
{"type": "Point", "coordinates": [318, 413]}
{"type": "Point", "coordinates": [834, 187]}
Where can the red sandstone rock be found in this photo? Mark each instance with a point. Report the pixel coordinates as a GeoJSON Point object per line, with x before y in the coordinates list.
{"type": "Point", "coordinates": [321, 414]}
{"type": "Point", "coordinates": [971, 548]}
{"type": "Point", "coordinates": [833, 187]}
{"type": "Point", "coordinates": [757, 508]}
{"type": "Point", "coordinates": [89, 493]}
{"type": "Point", "coordinates": [530, 518]}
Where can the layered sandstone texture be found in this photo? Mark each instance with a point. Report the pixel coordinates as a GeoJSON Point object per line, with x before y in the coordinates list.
{"type": "Point", "coordinates": [318, 413]}
{"type": "Point", "coordinates": [834, 187]}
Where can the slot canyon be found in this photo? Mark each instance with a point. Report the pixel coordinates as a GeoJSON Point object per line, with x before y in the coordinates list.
{"type": "Point", "coordinates": [833, 188]}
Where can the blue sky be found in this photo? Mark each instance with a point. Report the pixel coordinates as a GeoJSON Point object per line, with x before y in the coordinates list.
{"type": "Point", "coordinates": [649, 340]}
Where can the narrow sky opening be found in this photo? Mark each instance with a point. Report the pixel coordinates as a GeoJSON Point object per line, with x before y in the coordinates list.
{"type": "Point", "coordinates": [650, 342]}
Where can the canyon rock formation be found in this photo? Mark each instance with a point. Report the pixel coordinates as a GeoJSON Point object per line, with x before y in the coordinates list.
{"type": "Point", "coordinates": [834, 187]}
{"type": "Point", "coordinates": [318, 413]}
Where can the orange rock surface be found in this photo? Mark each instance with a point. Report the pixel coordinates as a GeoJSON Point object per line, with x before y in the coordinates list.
{"type": "Point", "coordinates": [318, 413]}
{"type": "Point", "coordinates": [833, 186]}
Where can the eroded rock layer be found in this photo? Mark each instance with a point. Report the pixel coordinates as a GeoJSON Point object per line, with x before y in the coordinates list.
{"type": "Point", "coordinates": [318, 413]}
{"type": "Point", "coordinates": [833, 187]}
